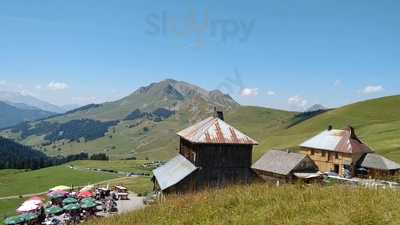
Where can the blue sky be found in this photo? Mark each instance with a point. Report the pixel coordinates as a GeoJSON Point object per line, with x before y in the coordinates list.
{"type": "Point", "coordinates": [282, 54]}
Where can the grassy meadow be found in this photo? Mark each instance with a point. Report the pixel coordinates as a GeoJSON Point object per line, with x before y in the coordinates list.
{"type": "Point", "coordinates": [260, 204]}
{"type": "Point", "coordinates": [41, 180]}
{"type": "Point", "coordinates": [8, 207]}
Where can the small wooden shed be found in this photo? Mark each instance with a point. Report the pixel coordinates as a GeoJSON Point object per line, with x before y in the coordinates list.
{"type": "Point", "coordinates": [286, 166]}
{"type": "Point", "coordinates": [377, 166]}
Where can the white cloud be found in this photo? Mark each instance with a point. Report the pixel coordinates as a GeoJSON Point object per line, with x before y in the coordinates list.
{"type": "Point", "coordinates": [271, 93]}
{"type": "Point", "coordinates": [370, 89]}
{"type": "Point", "coordinates": [38, 87]}
{"type": "Point", "coordinates": [337, 83]}
{"type": "Point", "coordinates": [57, 86]}
{"type": "Point", "coordinates": [26, 93]}
{"type": "Point", "coordinates": [297, 102]}
{"type": "Point", "coordinates": [3, 82]}
{"type": "Point", "coordinates": [249, 92]}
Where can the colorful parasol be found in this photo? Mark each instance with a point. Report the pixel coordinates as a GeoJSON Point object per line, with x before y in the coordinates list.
{"type": "Point", "coordinates": [33, 202]}
{"type": "Point", "coordinates": [30, 217]}
{"type": "Point", "coordinates": [88, 200]}
{"type": "Point", "coordinates": [88, 205]}
{"type": "Point", "coordinates": [28, 207]}
{"type": "Point", "coordinates": [61, 188]}
{"type": "Point", "coordinates": [72, 207]}
{"type": "Point", "coordinates": [54, 210]}
{"type": "Point", "coordinates": [85, 194]}
{"type": "Point", "coordinates": [14, 220]}
{"type": "Point", "coordinates": [69, 201]}
{"type": "Point", "coordinates": [57, 194]}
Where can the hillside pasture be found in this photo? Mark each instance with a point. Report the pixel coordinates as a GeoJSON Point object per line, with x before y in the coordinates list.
{"type": "Point", "coordinates": [261, 204]}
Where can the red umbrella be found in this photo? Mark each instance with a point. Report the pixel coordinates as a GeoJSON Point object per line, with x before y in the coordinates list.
{"type": "Point", "coordinates": [85, 194]}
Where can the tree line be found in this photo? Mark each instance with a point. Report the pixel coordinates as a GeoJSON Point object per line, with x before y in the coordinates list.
{"type": "Point", "coordinates": [16, 156]}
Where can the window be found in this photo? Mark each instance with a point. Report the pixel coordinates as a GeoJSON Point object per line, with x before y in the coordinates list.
{"type": "Point", "coordinates": [323, 154]}
{"type": "Point", "coordinates": [312, 152]}
{"type": "Point", "coordinates": [336, 169]}
{"type": "Point", "coordinates": [336, 155]}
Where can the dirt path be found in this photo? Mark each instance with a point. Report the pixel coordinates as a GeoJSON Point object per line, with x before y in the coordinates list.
{"type": "Point", "coordinates": [134, 203]}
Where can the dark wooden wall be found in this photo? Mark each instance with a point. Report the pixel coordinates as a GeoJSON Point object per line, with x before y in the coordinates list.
{"type": "Point", "coordinates": [219, 164]}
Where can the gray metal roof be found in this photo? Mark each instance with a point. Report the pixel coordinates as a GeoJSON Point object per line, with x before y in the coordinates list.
{"type": "Point", "coordinates": [375, 161]}
{"type": "Point", "coordinates": [338, 141]}
{"type": "Point", "coordinates": [279, 162]}
{"type": "Point", "coordinates": [173, 172]}
{"type": "Point", "coordinates": [215, 131]}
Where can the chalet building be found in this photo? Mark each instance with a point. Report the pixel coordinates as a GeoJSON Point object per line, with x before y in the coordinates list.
{"type": "Point", "coordinates": [377, 166]}
{"type": "Point", "coordinates": [336, 151]}
{"type": "Point", "coordinates": [211, 154]}
{"type": "Point", "coordinates": [286, 166]}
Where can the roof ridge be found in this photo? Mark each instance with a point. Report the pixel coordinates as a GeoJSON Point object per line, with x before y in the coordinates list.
{"type": "Point", "coordinates": [213, 130]}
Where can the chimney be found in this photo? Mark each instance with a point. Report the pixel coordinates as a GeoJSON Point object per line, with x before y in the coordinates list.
{"type": "Point", "coordinates": [330, 127]}
{"type": "Point", "coordinates": [352, 132]}
{"type": "Point", "coordinates": [218, 114]}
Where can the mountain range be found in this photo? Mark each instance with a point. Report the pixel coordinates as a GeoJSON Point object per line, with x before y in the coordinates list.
{"type": "Point", "coordinates": [12, 114]}
{"type": "Point", "coordinates": [25, 101]}
{"type": "Point", "coordinates": [144, 123]}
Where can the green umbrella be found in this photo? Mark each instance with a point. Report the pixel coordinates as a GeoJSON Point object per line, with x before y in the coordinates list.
{"type": "Point", "coordinates": [88, 205]}
{"type": "Point", "coordinates": [14, 220]}
{"type": "Point", "coordinates": [30, 217]}
{"type": "Point", "coordinates": [88, 200]}
{"type": "Point", "coordinates": [68, 201]}
{"type": "Point", "coordinates": [72, 207]}
{"type": "Point", "coordinates": [54, 210]}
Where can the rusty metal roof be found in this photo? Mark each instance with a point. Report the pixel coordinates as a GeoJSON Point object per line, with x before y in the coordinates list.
{"type": "Point", "coordinates": [344, 141]}
{"type": "Point", "coordinates": [215, 131]}
{"type": "Point", "coordinates": [173, 172]}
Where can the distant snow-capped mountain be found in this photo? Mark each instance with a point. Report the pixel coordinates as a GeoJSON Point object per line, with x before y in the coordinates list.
{"type": "Point", "coordinates": [25, 101]}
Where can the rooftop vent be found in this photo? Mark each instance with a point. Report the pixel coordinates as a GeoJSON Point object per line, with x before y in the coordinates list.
{"type": "Point", "coordinates": [352, 132]}
{"type": "Point", "coordinates": [218, 114]}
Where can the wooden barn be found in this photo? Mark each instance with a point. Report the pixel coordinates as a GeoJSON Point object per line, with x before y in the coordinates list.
{"type": "Point", "coordinates": [218, 153]}
{"type": "Point", "coordinates": [377, 166]}
{"type": "Point", "coordinates": [286, 166]}
{"type": "Point", "coordinates": [336, 151]}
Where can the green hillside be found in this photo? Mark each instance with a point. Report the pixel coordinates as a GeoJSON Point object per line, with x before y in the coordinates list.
{"type": "Point", "coordinates": [376, 121]}
{"type": "Point", "coordinates": [262, 204]}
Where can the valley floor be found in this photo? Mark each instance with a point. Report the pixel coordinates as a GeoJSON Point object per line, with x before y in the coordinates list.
{"type": "Point", "coordinates": [262, 204]}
